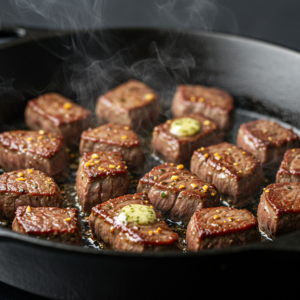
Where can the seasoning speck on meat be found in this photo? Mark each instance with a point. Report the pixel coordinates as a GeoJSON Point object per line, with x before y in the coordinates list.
{"type": "Point", "coordinates": [132, 216]}
{"type": "Point", "coordinates": [33, 186]}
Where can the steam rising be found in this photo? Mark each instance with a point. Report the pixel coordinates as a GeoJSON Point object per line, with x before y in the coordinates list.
{"type": "Point", "coordinates": [87, 75]}
{"type": "Point", "coordinates": [91, 14]}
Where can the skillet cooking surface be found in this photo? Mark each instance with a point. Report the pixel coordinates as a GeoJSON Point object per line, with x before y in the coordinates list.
{"type": "Point", "coordinates": [264, 79]}
{"type": "Point", "coordinates": [68, 189]}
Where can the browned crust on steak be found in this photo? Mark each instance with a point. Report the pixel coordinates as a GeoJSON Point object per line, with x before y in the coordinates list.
{"type": "Point", "coordinates": [129, 237]}
{"type": "Point", "coordinates": [289, 170]}
{"type": "Point", "coordinates": [212, 103]}
{"type": "Point", "coordinates": [114, 137]}
{"type": "Point", "coordinates": [279, 208]}
{"type": "Point", "coordinates": [127, 104]}
{"type": "Point", "coordinates": [180, 149]}
{"type": "Point", "coordinates": [235, 172]}
{"type": "Point", "coordinates": [266, 140]}
{"type": "Point", "coordinates": [56, 224]}
{"type": "Point", "coordinates": [37, 190]}
{"type": "Point", "coordinates": [97, 181]}
{"type": "Point", "coordinates": [49, 112]}
{"type": "Point", "coordinates": [182, 199]}
{"type": "Point", "coordinates": [221, 227]}
{"type": "Point", "coordinates": [22, 149]}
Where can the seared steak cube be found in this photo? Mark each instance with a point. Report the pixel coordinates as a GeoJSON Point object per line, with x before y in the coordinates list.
{"type": "Point", "coordinates": [178, 193]}
{"type": "Point", "coordinates": [101, 176]}
{"type": "Point", "coordinates": [131, 223]}
{"type": "Point", "coordinates": [266, 140]}
{"type": "Point", "coordinates": [177, 139]}
{"type": "Point", "coordinates": [51, 223]}
{"type": "Point", "coordinates": [212, 103]}
{"type": "Point", "coordinates": [114, 137]}
{"type": "Point", "coordinates": [55, 113]}
{"type": "Point", "coordinates": [221, 227]}
{"type": "Point", "coordinates": [27, 187]}
{"type": "Point", "coordinates": [235, 172]}
{"type": "Point", "coordinates": [279, 208]}
{"type": "Point", "coordinates": [22, 149]}
{"type": "Point", "coordinates": [132, 103]}
{"type": "Point", "coordinates": [289, 170]}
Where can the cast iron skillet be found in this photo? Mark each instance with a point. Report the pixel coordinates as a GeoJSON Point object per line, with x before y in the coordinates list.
{"type": "Point", "coordinates": [262, 77]}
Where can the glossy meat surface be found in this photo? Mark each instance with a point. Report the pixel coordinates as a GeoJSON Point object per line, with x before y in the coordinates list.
{"type": "Point", "coordinates": [279, 208]}
{"type": "Point", "coordinates": [180, 149]}
{"type": "Point", "coordinates": [283, 197]}
{"type": "Point", "coordinates": [27, 187]}
{"type": "Point", "coordinates": [132, 103]}
{"type": "Point", "coordinates": [35, 142]}
{"type": "Point", "coordinates": [55, 113]}
{"type": "Point", "coordinates": [21, 149]}
{"type": "Point", "coordinates": [289, 170]}
{"type": "Point", "coordinates": [213, 103]}
{"type": "Point", "coordinates": [221, 227]}
{"type": "Point", "coordinates": [59, 109]}
{"type": "Point", "coordinates": [100, 177]}
{"type": "Point", "coordinates": [114, 137]}
{"type": "Point", "coordinates": [235, 172]}
{"type": "Point", "coordinates": [53, 223]}
{"type": "Point", "coordinates": [266, 140]}
{"type": "Point", "coordinates": [178, 193]}
{"type": "Point", "coordinates": [129, 237]}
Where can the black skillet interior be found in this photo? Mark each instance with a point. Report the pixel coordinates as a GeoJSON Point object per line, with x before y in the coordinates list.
{"type": "Point", "coordinates": [263, 78]}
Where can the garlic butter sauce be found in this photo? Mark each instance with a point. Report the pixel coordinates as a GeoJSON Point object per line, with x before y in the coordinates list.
{"type": "Point", "coordinates": [136, 214]}
{"type": "Point", "coordinates": [185, 127]}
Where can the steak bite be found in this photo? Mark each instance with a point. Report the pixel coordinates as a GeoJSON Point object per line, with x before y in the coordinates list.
{"type": "Point", "coordinates": [235, 172]}
{"type": "Point", "coordinates": [178, 193]}
{"type": "Point", "coordinates": [130, 223]}
{"type": "Point", "coordinates": [221, 227]}
{"type": "Point", "coordinates": [27, 187]}
{"type": "Point", "coordinates": [212, 103]}
{"type": "Point", "coordinates": [101, 176]}
{"type": "Point", "coordinates": [55, 113]}
{"type": "Point", "coordinates": [114, 137]}
{"type": "Point", "coordinates": [177, 139]}
{"type": "Point", "coordinates": [132, 103]}
{"type": "Point", "coordinates": [51, 223]}
{"type": "Point", "coordinates": [289, 170]}
{"type": "Point", "coordinates": [22, 149]}
{"type": "Point", "coordinates": [266, 140]}
{"type": "Point", "coordinates": [279, 208]}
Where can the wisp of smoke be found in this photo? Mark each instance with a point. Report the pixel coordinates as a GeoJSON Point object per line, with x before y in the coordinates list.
{"type": "Point", "coordinates": [87, 76]}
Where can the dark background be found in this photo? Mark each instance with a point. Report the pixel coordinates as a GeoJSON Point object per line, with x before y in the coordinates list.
{"type": "Point", "coordinates": [276, 21]}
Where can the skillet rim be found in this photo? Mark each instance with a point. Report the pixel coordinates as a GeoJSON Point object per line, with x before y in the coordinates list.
{"type": "Point", "coordinates": [35, 35]}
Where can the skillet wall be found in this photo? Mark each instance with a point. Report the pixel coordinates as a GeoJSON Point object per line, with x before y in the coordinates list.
{"type": "Point", "coordinates": [250, 70]}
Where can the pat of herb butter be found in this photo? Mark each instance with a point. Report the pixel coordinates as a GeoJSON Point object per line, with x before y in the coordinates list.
{"type": "Point", "coordinates": [136, 214]}
{"type": "Point", "coordinates": [185, 127]}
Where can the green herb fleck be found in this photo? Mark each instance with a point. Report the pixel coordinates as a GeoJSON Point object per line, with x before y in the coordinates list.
{"type": "Point", "coordinates": [108, 207]}
{"type": "Point", "coordinates": [163, 194]}
{"type": "Point", "coordinates": [161, 170]}
{"type": "Point", "coordinates": [289, 188]}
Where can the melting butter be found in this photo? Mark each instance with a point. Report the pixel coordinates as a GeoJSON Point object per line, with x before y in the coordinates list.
{"type": "Point", "coordinates": [136, 214]}
{"type": "Point", "coordinates": [185, 127]}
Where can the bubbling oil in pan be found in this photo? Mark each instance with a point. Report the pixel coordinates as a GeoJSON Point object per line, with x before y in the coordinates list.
{"type": "Point", "coordinates": [68, 184]}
